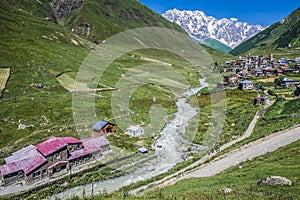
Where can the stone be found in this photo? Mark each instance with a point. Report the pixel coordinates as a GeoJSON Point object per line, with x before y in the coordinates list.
{"type": "Point", "coordinates": [226, 190]}
{"type": "Point", "coordinates": [64, 8]}
{"type": "Point", "coordinates": [275, 180]}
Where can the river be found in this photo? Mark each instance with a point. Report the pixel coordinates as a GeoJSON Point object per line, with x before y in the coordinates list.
{"type": "Point", "coordinates": [167, 152]}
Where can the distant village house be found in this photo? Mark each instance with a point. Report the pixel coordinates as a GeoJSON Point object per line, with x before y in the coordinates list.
{"type": "Point", "coordinates": [246, 85]}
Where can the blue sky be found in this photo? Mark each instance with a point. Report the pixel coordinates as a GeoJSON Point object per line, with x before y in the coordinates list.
{"type": "Point", "coordinates": [264, 12]}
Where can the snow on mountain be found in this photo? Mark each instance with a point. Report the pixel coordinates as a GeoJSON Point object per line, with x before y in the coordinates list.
{"type": "Point", "coordinates": [230, 32]}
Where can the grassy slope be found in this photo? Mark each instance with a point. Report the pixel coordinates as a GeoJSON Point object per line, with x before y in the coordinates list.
{"type": "Point", "coordinates": [278, 35]}
{"type": "Point", "coordinates": [110, 17]}
{"type": "Point", "coordinates": [242, 179]}
{"type": "Point", "coordinates": [36, 50]}
{"type": "Point", "coordinates": [217, 45]}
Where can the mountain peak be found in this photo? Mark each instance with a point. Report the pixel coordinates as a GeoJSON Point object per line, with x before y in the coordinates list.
{"type": "Point", "coordinates": [200, 26]}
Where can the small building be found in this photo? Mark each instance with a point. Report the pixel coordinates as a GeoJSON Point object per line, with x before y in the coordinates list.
{"type": "Point", "coordinates": [246, 85]}
{"type": "Point", "coordinates": [135, 131]}
{"type": "Point", "coordinates": [143, 150]}
{"type": "Point", "coordinates": [104, 128]}
{"type": "Point", "coordinates": [286, 69]}
{"type": "Point", "coordinates": [287, 82]}
{"type": "Point", "coordinates": [268, 71]}
{"type": "Point", "coordinates": [229, 69]}
{"type": "Point", "coordinates": [260, 100]}
{"type": "Point", "coordinates": [278, 72]}
{"type": "Point", "coordinates": [232, 79]}
{"type": "Point", "coordinates": [259, 72]}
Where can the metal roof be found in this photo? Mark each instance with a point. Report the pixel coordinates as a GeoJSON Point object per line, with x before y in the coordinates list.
{"type": "Point", "coordinates": [100, 125]}
{"type": "Point", "coordinates": [54, 144]}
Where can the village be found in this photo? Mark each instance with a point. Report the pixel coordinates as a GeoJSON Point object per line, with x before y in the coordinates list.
{"type": "Point", "coordinates": [58, 156]}
{"type": "Point", "coordinates": [258, 72]}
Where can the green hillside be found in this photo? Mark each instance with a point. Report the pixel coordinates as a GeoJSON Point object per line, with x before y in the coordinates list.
{"type": "Point", "coordinates": [217, 45]}
{"type": "Point", "coordinates": [37, 48]}
{"type": "Point", "coordinates": [106, 18]}
{"type": "Point", "coordinates": [278, 35]}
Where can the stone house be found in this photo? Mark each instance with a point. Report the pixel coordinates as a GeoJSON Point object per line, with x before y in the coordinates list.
{"type": "Point", "coordinates": [231, 79]}
{"type": "Point", "coordinates": [287, 83]}
{"type": "Point", "coordinates": [246, 85]}
{"type": "Point", "coordinates": [51, 157]}
{"type": "Point", "coordinates": [260, 100]}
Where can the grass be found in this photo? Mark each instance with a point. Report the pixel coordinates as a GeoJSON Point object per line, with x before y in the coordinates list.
{"type": "Point", "coordinates": [283, 108]}
{"type": "Point", "coordinates": [239, 113]}
{"type": "Point", "coordinates": [242, 179]}
{"type": "Point", "coordinates": [114, 16]}
{"type": "Point", "coordinates": [4, 75]}
{"type": "Point", "coordinates": [41, 54]}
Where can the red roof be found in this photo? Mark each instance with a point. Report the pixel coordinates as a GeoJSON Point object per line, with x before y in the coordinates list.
{"type": "Point", "coordinates": [90, 145]}
{"type": "Point", "coordinates": [58, 164]}
{"type": "Point", "coordinates": [54, 144]}
{"type": "Point", "coordinates": [31, 161]}
{"type": "Point", "coordinates": [21, 154]}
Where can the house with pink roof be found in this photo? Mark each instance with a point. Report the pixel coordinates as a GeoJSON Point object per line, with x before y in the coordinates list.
{"type": "Point", "coordinates": [50, 157]}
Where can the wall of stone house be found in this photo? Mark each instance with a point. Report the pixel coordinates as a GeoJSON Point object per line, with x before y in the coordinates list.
{"type": "Point", "coordinates": [1, 180]}
{"type": "Point", "coordinates": [13, 178]}
{"type": "Point", "coordinates": [65, 167]}
{"type": "Point", "coordinates": [85, 159]}
{"type": "Point", "coordinates": [52, 158]}
{"type": "Point", "coordinates": [113, 128]}
{"type": "Point", "coordinates": [43, 170]}
{"type": "Point", "coordinates": [77, 161]}
{"type": "Point", "coordinates": [74, 147]}
{"type": "Point", "coordinates": [105, 148]}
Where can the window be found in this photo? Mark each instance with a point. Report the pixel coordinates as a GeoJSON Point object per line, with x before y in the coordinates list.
{"type": "Point", "coordinates": [71, 148]}
{"type": "Point", "coordinates": [57, 156]}
{"type": "Point", "coordinates": [36, 174]}
{"type": "Point", "coordinates": [58, 168]}
{"type": "Point", "coordinates": [44, 171]}
{"type": "Point", "coordinates": [20, 173]}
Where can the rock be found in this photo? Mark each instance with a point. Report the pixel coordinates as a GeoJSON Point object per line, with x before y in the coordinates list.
{"type": "Point", "coordinates": [39, 85]}
{"type": "Point", "coordinates": [275, 180]}
{"type": "Point", "coordinates": [63, 8]}
{"type": "Point", "coordinates": [65, 184]}
{"type": "Point", "coordinates": [226, 190]}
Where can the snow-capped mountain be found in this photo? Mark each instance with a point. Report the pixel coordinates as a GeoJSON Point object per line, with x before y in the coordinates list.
{"type": "Point", "coordinates": [230, 32]}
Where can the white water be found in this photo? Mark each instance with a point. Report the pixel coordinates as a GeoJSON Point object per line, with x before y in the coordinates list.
{"type": "Point", "coordinates": [166, 157]}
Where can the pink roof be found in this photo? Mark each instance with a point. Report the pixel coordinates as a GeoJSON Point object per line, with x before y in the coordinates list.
{"type": "Point", "coordinates": [54, 144]}
{"type": "Point", "coordinates": [31, 161]}
{"type": "Point", "coordinates": [21, 154]}
{"type": "Point", "coordinates": [90, 145]}
{"type": "Point", "coordinates": [57, 164]}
